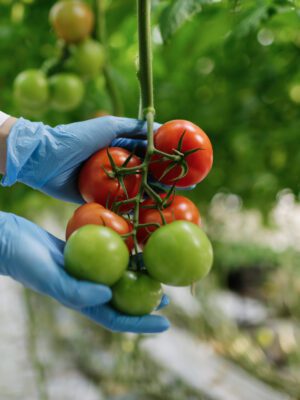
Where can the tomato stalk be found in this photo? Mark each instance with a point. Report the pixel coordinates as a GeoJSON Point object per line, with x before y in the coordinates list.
{"type": "Point", "coordinates": [146, 102]}
{"type": "Point", "coordinates": [54, 65]}
{"type": "Point", "coordinates": [146, 112]}
{"type": "Point", "coordinates": [109, 81]}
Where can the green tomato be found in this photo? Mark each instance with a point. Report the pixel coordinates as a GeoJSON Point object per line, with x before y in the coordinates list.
{"type": "Point", "coordinates": [136, 294]}
{"type": "Point", "coordinates": [88, 58]}
{"type": "Point", "coordinates": [96, 253]}
{"type": "Point", "coordinates": [31, 89]}
{"type": "Point", "coordinates": [178, 254]}
{"type": "Point", "coordinates": [66, 90]}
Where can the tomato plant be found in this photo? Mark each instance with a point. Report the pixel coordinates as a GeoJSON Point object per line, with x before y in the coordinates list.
{"type": "Point", "coordinates": [193, 148]}
{"type": "Point", "coordinates": [100, 183]}
{"type": "Point", "coordinates": [114, 181]}
{"type": "Point", "coordinates": [72, 20]}
{"type": "Point", "coordinates": [95, 214]}
{"type": "Point", "coordinates": [96, 253]}
{"type": "Point", "coordinates": [178, 254]}
{"type": "Point", "coordinates": [31, 89]}
{"type": "Point", "coordinates": [176, 208]}
{"type": "Point", "coordinates": [136, 294]}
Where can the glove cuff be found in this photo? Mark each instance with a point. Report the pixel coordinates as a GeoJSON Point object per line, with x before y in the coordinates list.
{"type": "Point", "coordinates": [22, 142]}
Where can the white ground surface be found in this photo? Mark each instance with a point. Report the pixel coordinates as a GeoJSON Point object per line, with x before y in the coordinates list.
{"type": "Point", "coordinates": [17, 378]}
{"type": "Point", "coordinates": [197, 364]}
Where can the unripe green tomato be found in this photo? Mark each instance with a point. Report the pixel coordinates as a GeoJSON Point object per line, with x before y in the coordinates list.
{"type": "Point", "coordinates": [96, 253]}
{"type": "Point", "coordinates": [88, 58]}
{"type": "Point", "coordinates": [136, 294]}
{"type": "Point", "coordinates": [31, 89]}
{"type": "Point", "coordinates": [178, 254]}
{"type": "Point", "coordinates": [66, 91]}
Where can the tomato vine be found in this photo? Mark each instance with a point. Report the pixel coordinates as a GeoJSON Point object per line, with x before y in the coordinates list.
{"type": "Point", "coordinates": [146, 112]}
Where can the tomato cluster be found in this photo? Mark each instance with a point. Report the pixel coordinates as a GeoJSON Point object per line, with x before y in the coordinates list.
{"type": "Point", "coordinates": [121, 218]}
{"type": "Point", "coordinates": [59, 83]}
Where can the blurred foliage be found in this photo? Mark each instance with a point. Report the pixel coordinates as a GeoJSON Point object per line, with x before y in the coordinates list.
{"type": "Point", "coordinates": [230, 66]}
{"type": "Point", "coordinates": [231, 256]}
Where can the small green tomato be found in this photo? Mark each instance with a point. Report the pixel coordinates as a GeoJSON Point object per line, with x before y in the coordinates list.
{"type": "Point", "coordinates": [96, 253]}
{"type": "Point", "coordinates": [136, 294]}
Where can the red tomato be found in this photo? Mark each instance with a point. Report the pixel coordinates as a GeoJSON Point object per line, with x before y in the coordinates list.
{"type": "Point", "coordinates": [97, 186]}
{"type": "Point", "coordinates": [178, 208]}
{"type": "Point", "coordinates": [167, 140]}
{"type": "Point", "coordinates": [95, 214]}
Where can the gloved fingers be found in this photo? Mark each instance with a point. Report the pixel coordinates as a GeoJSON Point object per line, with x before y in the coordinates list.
{"type": "Point", "coordinates": [114, 321]}
{"type": "Point", "coordinates": [129, 127]}
{"type": "Point", "coordinates": [161, 186]}
{"type": "Point", "coordinates": [79, 294]}
{"type": "Point", "coordinates": [87, 137]}
{"type": "Point", "coordinates": [137, 146]}
{"type": "Point", "coordinates": [186, 188]}
{"type": "Point", "coordinates": [34, 257]}
{"type": "Point", "coordinates": [67, 181]}
{"type": "Point", "coordinates": [165, 301]}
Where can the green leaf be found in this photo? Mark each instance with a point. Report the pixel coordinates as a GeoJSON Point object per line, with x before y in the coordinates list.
{"type": "Point", "coordinates": [179, 147]}
{"type": "Point", "coordinates": [254, 17]}
{"type": "Point", "coordinates": [176, 14]}
{"type": "Point", "coordinates": [169, 168]}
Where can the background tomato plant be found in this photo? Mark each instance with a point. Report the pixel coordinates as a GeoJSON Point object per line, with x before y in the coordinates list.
{"type": "Point", "coordinates": [249, 107]}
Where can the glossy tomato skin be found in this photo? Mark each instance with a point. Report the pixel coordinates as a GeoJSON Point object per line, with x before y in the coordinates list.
{"type": "Point", "coordinates": [178, 254]}
{"type": "Point", "coordinates": [167, 138]}
{"type": "Point", "coordinates": [96, 186]}
{"type": "Point", "coordinates": [96, 253]}
{"type": "Point", "coordinates": [72, 20]}
{"type": "Point", "coordinates": [178, 208]}
{"type": "Point", "coordinates": [95, 214]}
{"type": "Point", "coordinates": [136, 294]}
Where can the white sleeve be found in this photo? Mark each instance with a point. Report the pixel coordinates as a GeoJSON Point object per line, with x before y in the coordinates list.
{"type": "Point", "coordinates": [3, 117]}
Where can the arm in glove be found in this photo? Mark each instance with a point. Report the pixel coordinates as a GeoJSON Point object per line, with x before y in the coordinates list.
{"type": "Point", "coordinates": [49, 159]}
{"type": "Point", "coordinates": [34, 258]}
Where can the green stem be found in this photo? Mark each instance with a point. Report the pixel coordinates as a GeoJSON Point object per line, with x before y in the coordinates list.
{"type": "Point", "coordinates": [145, 72]}
{"type": "Point", "coordinates": [168, 156]}
{"type": "Point", "coordinates": [148, 224]}
{"type": "Point", "coordinates": [146, 109]}
{"type": "Point", "coordinates": [111, 88]}
{"type": "Point", "coordinates": [54, 65]}
{"type": "Point", "coordinates": [32, 348]}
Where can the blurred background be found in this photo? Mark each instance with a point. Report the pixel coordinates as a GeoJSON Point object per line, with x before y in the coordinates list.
{"type": "Point", "coordinates": [231, 67]}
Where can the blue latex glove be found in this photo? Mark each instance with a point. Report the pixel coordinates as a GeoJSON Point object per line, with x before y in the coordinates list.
{"type": "Point", "coordinates": [49, 159]}
{"type": "Point", "coordinates": [34, 258]}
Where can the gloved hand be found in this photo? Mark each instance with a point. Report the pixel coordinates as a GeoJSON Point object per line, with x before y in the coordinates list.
{"type": "Point", "coordinates": [49, 159]}
{"type": "Point", "coordinates": [34, 258]}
